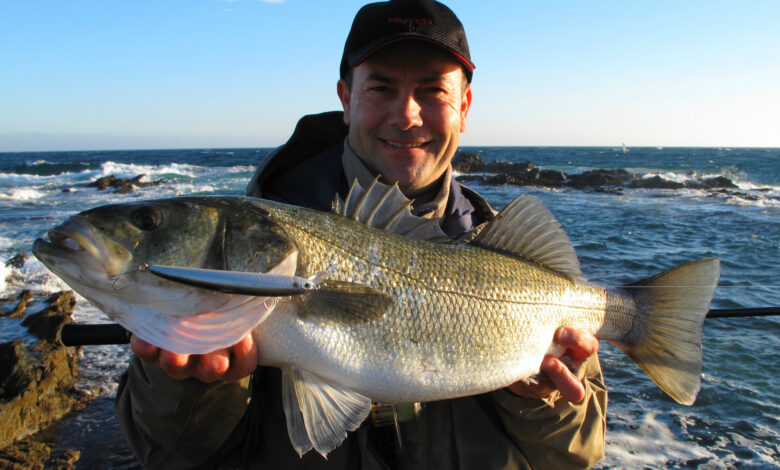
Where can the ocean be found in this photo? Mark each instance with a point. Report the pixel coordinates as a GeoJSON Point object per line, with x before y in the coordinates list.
{"type": "Point", "coordinates": [619, 236]}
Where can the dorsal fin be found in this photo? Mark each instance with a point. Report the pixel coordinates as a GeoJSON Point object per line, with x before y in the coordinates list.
{"type": "Point", "coordinates": [528, 229]}
{"type": "Point", "coordinates": [385, 207]}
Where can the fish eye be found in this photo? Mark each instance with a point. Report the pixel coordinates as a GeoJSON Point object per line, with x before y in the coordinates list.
{"type": "Point", "coordinates": [147, 218]}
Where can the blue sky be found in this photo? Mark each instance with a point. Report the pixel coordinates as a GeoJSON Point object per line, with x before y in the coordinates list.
{"type": "Point", "coordinates": [212, 73]}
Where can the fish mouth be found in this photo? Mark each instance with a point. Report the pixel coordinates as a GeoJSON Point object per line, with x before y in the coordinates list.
{"type": "Point", "coordinates": [76, 241]}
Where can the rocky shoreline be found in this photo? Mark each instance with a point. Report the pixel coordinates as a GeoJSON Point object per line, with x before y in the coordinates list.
{"type": "Point", "coordinates": [37, 380]}
{"type": "Point", "coordinates": [46, 419]}
{"type": "Point", "coordinates": [611, 181]}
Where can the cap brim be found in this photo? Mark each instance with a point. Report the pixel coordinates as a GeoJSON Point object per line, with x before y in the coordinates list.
{"type": "Point", "coordinates": [366, 51]}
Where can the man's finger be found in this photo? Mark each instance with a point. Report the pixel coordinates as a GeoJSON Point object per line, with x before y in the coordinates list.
{"type": "Point", "coordinates": [145, 351]}
{"type": "Point", "coordinates": [539, 389]}
{"type": "Point", "coordinates": [579, 344]}
{"type": "Point", "coordinates": [212, 366]}
{"type": "Point", "coordinates": [176, 365]}
{"type": "Point", "coordinates": [243, 359]}
{"type": "Point", "coordinates": [567, 383]}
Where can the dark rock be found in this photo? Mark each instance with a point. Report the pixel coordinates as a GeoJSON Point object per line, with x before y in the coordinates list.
{"type": "Point", "coordinates": [122, 185]}
{"type": "Point", "coordinates": [474, 178]}
{"type": "Point", "coordinates": [712, 183]}
{"type": "Point", "coordinates": [656, 182]}
{"type": "Point", "coordinates": [15, 374]}
{"type": "Point", "coordinates": [21, 306]}
{"type": "Point", "coordinates": [464, 162]}
{"type": "Point", "coordinates": [736, 194]}
{"type": "Point", "coordinates": [609, 190]}
{"type": "Point", "coordinates": [17, 261]}
{"type": "Point", "coordinates": [102, 183]}
{"type": "Point", "coordinates": [526, 174]}
{"type": "Point", "coordinates": [66, 460]}
{"type": "Point", "coordinates": [551, 178]}
{"type": "Point", "coordinates": [37, 383]}
{"type": "Point", "coordinates": [598, 178]}
{"type": "Point", "coordinates": [28, 455]}
{"type": "Point", "coordinates": [125, 189]}
{"type": "Point", "coordinates": [48, 323]}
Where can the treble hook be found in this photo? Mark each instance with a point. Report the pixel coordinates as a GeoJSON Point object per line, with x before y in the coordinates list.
{"type": "Point", "coordinates": [142, 268]}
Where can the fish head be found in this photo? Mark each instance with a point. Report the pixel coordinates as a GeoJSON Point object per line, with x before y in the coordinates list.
{"type": "Point", "coordinates": [101, 253]}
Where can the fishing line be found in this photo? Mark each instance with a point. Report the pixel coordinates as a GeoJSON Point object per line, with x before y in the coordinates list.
{"type": "Point", "coordinates": [686, 287]}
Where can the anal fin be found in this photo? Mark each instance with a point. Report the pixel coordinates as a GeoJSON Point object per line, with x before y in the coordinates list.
{"type": "Point", "coordinates": [319, 414]}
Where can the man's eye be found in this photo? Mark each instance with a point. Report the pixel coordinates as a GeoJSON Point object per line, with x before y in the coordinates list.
{"type": "Point", "coordinates": [379, 89]}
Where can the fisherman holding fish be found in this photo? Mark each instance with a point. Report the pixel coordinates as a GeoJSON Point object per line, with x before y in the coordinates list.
{"type": "Point", "coordinates": [405, 88]}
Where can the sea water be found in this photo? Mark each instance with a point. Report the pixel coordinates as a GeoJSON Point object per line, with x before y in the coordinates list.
{"type": "Point", "coordinates": [620, 236]}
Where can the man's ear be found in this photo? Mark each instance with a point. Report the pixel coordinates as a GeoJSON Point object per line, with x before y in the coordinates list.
{"type": "Point", "coordinates": [465, 105]}
{"type": "Point", "coordinates": [345, 95]}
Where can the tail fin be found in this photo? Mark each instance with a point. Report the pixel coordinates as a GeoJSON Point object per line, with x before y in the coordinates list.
{"type": "Point", "coordinates": [666, 344]}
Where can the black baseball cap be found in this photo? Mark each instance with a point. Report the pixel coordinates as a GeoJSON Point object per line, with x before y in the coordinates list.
{"type": "Point", "coordinates": [379, 24]}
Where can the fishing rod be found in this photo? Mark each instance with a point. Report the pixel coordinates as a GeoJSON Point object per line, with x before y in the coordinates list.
{"type": "Point", "coordinates": [85, 334]}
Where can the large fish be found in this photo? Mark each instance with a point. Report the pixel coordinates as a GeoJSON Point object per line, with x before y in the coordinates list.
{"type": "Point", "coordinates": [392, 318]}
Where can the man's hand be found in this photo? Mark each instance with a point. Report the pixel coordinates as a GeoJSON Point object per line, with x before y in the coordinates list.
{"type": "Point", "coordinates": [579, 346]}
{"type": "Point", "coordinates": [229, 364]}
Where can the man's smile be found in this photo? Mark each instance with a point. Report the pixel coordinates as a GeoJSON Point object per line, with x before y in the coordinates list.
{"type": "Point", "coordinates": [404, 145]}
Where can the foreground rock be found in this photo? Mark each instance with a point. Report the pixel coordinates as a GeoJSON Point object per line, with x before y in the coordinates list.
{"type": "Point", "coordinates": [37, 381]}
{"type": "Point", "coordinates": [602, 180]}
{"type": "Point", "coordinates": [122, 185]}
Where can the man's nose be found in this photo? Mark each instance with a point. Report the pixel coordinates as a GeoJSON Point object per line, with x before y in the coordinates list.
{"type": "Point", "coordinates": [406, 112]}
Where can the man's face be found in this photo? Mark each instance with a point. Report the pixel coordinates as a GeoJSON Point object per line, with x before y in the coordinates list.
{"type": "Point", "coordinates": [406, 109]}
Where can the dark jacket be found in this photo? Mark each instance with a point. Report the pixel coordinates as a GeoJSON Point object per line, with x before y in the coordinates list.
{"type": "Point", "coordinates": [176, 424]}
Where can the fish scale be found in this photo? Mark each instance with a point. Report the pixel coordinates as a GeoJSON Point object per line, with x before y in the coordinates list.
{"type": "Point", "coordinates": [506, 298]}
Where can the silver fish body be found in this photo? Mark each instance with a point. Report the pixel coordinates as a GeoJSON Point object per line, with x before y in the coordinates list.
{"type": "Point", "coordinates": [395, 319]}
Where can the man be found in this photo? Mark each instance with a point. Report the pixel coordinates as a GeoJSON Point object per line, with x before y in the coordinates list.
{"type": "Point", "coordinates": [405, 90]}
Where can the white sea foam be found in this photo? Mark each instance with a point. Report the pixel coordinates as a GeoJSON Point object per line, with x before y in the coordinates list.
{"type": "Point", "coordinates": [33, 276]}
{"type": "Point", "coordinates": [650, 445]}
{"type": "Point", "coordinates": [21, 194]}
{"type": "Point", "coordinates": [130, 170]}
{"type": "Point", "coordinates": [5, 274]}
{"type": "Point", "coordinates": [15, 179]}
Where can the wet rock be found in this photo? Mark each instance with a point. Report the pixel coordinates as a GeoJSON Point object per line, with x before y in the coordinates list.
{"type": "Point", "coordinates": [712, 183]}
{"type": "Point", "coordinates": [66, 460]}
{"type": "Point", "coordinates": [735, 194]}
{"type": "Point", "coordinates": [25, 456]}
{"type": "Point", "coordinates": [656, 182]}
{"type": "Point", "coordinates": [601, 181]}
{"type": "Point", "coordinates": [37, 382]}
{"type": "Point", "coordinates": [599, 178]}
{"type": "Point", "coordinates": [609, 190]}
{"type": "Point", "coordinates": [15, 373]}
{"type": "Point", "coordinates": [47, 324]}
{"type": "Point", "coordinates": [521, 174]}
{"type": "Point", "coordinates": [21, 305]}
{"type": "Point", "coordinates": [34, 454]}
{"type": "Point", "coordinates": [17, 261]}
{"type": "Point", "coordinates": [551, 178]}
{"type": "Point", "coordinates": [464, 162]}
{"type": "Point", "coordinates": [122, 185]}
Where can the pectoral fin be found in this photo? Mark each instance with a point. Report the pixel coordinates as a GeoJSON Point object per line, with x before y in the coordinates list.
{"type": "Point", "coordinates": [346, 302]}
{"type": "Point", "coordinates": [318, 413]}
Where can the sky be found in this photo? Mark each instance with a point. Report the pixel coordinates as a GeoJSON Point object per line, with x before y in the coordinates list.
{"type": "Point", "coordinates": [113, 74]}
